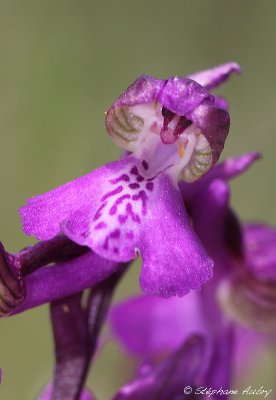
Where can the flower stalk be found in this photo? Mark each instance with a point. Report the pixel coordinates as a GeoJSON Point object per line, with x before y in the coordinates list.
{"type": "Point", "coordinates": [76, 327]}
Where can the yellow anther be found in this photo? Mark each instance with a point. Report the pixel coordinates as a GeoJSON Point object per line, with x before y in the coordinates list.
{"type": "Point", "coordinates": [181, 150]}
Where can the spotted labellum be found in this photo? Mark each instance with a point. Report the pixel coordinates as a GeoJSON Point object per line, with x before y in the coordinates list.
{"type": "Point", "coordinates": [166, 200]}
{"type": "Point", "coordinates": [173, 130]}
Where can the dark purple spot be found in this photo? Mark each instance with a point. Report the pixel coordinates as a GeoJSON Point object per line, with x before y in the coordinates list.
{"type": "Point", "coordinates": [143, 197]}
{"type": "Point", "coordinates": [135, 217]}
{"type": "Point", "coordinates": [115, 234]}
{"type": "Point", "coordinates": [115, 250]}
{"type": "Point", "coordinates": [100, 225]}
{"type": "Point", "coordinates": [112, 193]}
{"type": "Point", "coordinates": [134, 170]}
{"type": "Point", "coordinates": [105, 245]}
{"type": "Point", "coordinates": [149, 186]}
{"type": "Point", "coordinates": [122, 198]}
{"type": "Point", "coordinates": [98, 213]}
{"type": "Point", "coordinates": [130, 235]}
{"type": "Point", "coordinates": [145, 164]}
{"type": "Point", "coordinates": [140, 178]}
{"type": "Point", "coordinates": [129, 208]}
{"type": "Point", "coordinates": [113, 209]}
{"type": "Point", "coordinates": [138, 196]}
{"type": "Point", "coordinates": [122, 219]}
{"type": "Point", "coordinates": [144, 206]}
{"type": "Point", "coordinates": [134, 185]}
{"type": "Point", "coordinates": [124, 178]}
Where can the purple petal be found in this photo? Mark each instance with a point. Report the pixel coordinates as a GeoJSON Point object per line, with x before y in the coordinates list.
{"type": "Point", "coordinates": [114, 226]}
{"type": "Point", "coordinates": [214, 123]}
{"type": "Point", "coordinates": [208, 212]}
{"type": "Point", "coordinates": [47, 394]}
{"type": "Point", "coordinates": [179, 95]}
{"type": "Point", "coordinates": [182, 96]}
{"type": "Point", "coordinates": [221, 102]}
{"type": "Point", "coordinates": [143, 91]}
{"type": "Point", "coordinates": [99, 210]}
{"type": "Point", "coordinates": [174, 262]}
{"type": "Point", "coordinates": [74, 201]}
{"type": "Point", "coordinates": [233, 167]}
{"type": "Point", "coordinates": [169, 379]}
{"type": "Point", "coordinates": [155, 325]}
{"type": "Point", "coordinates": [260, 250]}
{"type": "Point", "coordinates": [211, 78]}
{"type": "Point", "coordinates": [61, 280]}
{"type": "Point", "coordinates": [117, 216]}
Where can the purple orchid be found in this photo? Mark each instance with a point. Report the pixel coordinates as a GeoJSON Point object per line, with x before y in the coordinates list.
{"type": "Point", "coordinates": [174, 130]}
{"type": "Point", "coordinates": [159, 326]}
{"type": "Point", "coordinates": [244, 254]}
{"type": "Point", "coordinates": [155, 325]}
{"type": "Point", "coordinates": [168, 201]}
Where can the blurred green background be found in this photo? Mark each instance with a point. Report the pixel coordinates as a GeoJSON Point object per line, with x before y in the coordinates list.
{"type": "Point", "coordinates": [62, 64]}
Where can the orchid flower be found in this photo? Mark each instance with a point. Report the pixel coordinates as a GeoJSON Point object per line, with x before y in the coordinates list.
{"type": "Point", "coordinates": [244, 254]}
{"type": "Point", "coordinates": [157, 326]}
{"type": "Point", "coordinates": [173, 129]}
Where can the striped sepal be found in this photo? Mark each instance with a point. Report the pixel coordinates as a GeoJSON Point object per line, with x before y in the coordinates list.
{"type": "Point", "coordinates": [200, 163]}
{"type": "Point", "coordinates": [251, 301]}
{"type": "Point", "coordinates": [124, 127]}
